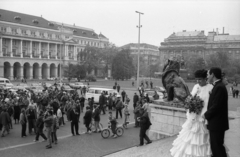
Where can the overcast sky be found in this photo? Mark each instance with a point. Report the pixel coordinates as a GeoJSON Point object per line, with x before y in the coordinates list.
{"type": "Point", "coordinates": [117, 20]}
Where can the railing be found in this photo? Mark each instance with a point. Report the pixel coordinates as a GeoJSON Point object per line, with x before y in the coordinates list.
{"type": "Point", "coordinates": [44, 56]}
{"type": "Point", "coordinates": [36, 55]}
{"type": "Point", "coordinates": [17, 55]}
{"type": "Point", "coordinates": [53, 56]}
{"type": "Point", "coordinates": [26, 55]}
{"type": "Point", "coordinates": [7, 54]}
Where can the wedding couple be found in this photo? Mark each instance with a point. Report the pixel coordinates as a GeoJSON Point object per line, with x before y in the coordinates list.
{"type": "Point", "coordinates": [203, 135]}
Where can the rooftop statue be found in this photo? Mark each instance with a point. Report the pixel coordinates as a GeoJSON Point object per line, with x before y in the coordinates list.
{"type": "Point", "coordinates": [175, 86]}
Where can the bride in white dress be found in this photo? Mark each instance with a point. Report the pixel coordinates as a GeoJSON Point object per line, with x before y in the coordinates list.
{"type": "Point", "coordinates": [193, 139]}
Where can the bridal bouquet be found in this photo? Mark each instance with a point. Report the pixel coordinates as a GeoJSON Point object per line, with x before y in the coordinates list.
{"type": "Point", "coordinates": [194, 104]}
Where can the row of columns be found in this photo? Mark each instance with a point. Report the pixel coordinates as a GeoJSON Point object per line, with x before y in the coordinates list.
{"type": "Point", "coordinates": [39, 49]}
{"type": "Point", "coordinates": [39, 74]}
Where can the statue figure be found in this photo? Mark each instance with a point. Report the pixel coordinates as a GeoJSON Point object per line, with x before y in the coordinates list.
{"type": "Point", "coordinates": [175, 86]}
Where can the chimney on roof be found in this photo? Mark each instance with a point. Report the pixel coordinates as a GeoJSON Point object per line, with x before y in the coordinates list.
{"type": "Point", "coordinates": [223, 30]}
{"type": "Point", "coordinates": [184, 30]}
{"type": "Point", "coordinates": [41, 15]}
{"type": "Point", "coordinates": [217, 31]}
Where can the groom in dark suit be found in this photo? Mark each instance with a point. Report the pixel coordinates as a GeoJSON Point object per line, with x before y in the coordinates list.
{"type": "Point", "coordinates": [217, 113]}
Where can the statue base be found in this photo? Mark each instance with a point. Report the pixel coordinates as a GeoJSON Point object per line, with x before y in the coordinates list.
{"type": "Point", "coordinates": [167, 119]}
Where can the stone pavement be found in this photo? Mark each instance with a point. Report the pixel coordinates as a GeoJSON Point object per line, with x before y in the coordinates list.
{"type": "Point", "coordinates": [161, 148]}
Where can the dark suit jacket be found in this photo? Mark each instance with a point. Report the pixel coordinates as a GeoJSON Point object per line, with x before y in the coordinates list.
{"type": "Point", "coordinates": [74, 116]}
{"type": "Point", "coordinates": [135, 98]}
{"type": "Point", "coordinates": [217, 112]}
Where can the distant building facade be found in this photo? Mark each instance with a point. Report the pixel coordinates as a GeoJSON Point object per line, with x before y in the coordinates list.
{"type": "Point", "coordinates": [149, 53]}
{"type": "Point", "coordinates": [187, 43]}
{"type": "Point", "coordinates": [32, 47]}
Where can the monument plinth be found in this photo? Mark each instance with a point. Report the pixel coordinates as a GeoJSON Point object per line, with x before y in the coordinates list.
{"type": "Point", "coordinates": [166, 118]}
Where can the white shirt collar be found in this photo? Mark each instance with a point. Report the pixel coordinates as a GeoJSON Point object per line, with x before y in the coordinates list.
{"type": "Point", "coordinates": [216, 81]}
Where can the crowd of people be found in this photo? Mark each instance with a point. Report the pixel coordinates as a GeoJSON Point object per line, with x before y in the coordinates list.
{"type": "Point", "coordinates": [45, 111]}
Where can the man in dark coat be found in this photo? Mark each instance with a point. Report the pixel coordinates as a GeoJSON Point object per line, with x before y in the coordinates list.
{"type": "Point", "coordinates": [39, 127]}
{"type": "Point", "coordinates": [74, 120]}
{"type": "Point", "coordinates": [87, 119]}
{"type": "Point", "coordinates": [217, 113]}
{"type": "Point", "coordinates": [123, 95]}
{"type": "Point", "coordinates": [118, 88]}
{"type": "Point", "coordinates": [144, 126]}
{"type": "Point", "coordinates": [102, 101]}
{"type": "Point", "coordinates": [32, 116]}
{"type": "Point", "coordinates": [135, 100]}
{"type": "Point", "coordinates": [4, 120]}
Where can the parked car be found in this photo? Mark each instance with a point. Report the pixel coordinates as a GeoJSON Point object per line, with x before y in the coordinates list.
{"type": "Point", "coordinates": [5, 83]}
{"type": "Point", "coordinates": [21, 86]}
{"type": "Point", "coordinates": [151, 93]}
{"type": "Point", "coordinates": [37, 89]}
{"type": "Point", "coordinates": [77, 85]}
{"type": "Point", "coordinates": [67, 88]}
{"type": "Point", "coordinates": [96, 92]}
{"type": "Point", "coordinates": [45, 84]}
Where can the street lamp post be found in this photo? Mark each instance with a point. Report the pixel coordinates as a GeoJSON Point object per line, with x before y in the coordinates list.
{"type": "Point", "coordinates": [139, 26]}
{"type": "Point", "coordinates": [62, 51]}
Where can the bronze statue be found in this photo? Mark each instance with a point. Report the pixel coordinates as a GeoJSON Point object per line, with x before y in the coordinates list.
{"type": "Point", "coordinates": [175, 86]}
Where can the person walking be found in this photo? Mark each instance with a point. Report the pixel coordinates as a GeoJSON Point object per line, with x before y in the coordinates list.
{"type": "Point", "coordinates": [48, 122]}
{"type": "Point", "coordinates": [87, 119]}
{"type": "Point", "coordinates": [118, 88]}
{"type": "Point", "coordinates": [110, 102]}
{"type": "Point", "coordinates": [144, 126]}
{"type": "Point", "coordinates": [151, 84]}
{"type": "Point", "coordinates": [59, 115]}
{"type": "Point", "coordinates": [4, 120]}
{"type": "Point", "coordinates": [123, 95]}
{"type": "Point", "coordinates": [135, 100]}
{"type": "Point", "coordinates": [32, 116]}
{"type": "Point", "coordinates": [119, 107]}
{"type": "Point", "coordinates": [17, 111]}
{"type": "Point", "coordinates": [55, 126]}
{"type": "Point", "coordinates": [102, 101]}
{"type": "Point", "coordinates": [39, 127]}
{"type": "Point", "coordinates": [74, 120]}
{"type": "Point", "coordinates": [137, 114]}
{"type": "Point", "coordinates": [217, 113]}
{"type": "Point", "coordinates": [96, 118]}
{"type": "Point", "coordinates": [23, 122]}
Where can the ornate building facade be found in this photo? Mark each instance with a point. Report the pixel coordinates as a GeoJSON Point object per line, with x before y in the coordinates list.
{"type": "Point", "coordinates": [187, 43]}
{"type": "Point", "coordinates": [32, 47]}
{"type": "Point", "coordinates": [149, 53]}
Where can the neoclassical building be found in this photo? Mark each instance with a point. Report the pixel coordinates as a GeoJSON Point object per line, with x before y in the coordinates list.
{"type": "Point", "coordinates": [186, 43]}
{"type": "Point", "coordinates": [149, 53]}
{"type": "Point", "coordinates": [32, 47]}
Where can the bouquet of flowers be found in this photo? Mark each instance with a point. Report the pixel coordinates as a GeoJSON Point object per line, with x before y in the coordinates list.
{"type": "Point", "coordinates": [194, 104]}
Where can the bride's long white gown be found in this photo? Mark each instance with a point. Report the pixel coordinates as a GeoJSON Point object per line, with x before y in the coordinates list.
{"type": "Point", "coordinates": [193, 139]}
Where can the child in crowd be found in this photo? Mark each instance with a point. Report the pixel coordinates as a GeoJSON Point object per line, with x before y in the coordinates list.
{"type": "Point", "coordinates": [113, 123]}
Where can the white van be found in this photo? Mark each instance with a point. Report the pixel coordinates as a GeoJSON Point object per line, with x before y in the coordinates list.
{"type": "Point", "coordinates": [96, 92]}
{"type": "Point", "coordinates": [5, 83]}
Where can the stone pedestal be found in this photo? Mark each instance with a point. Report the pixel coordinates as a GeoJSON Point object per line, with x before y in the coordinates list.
{"type": "Point", "coordinates": [166, 118]}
